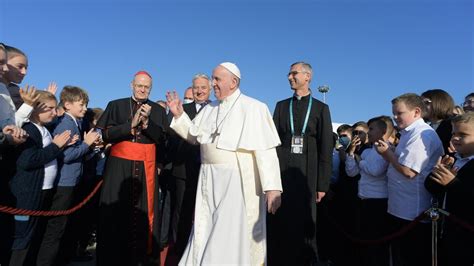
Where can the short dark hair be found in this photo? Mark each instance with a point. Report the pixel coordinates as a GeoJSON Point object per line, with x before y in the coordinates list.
{"type": "Point", "coordinates": [73, 94]}
{"type": "Point", "coordinates": [343, 127]}
{"type": "Point", "coordinates": [469, 95]}
{"type": "Point", "coordinates": [384, 122]}
{"type": "Point", "coordinates": [442, 104]}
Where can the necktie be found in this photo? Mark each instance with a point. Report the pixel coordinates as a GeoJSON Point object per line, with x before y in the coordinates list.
{"type": "Point", "coordinates": [201, 105]}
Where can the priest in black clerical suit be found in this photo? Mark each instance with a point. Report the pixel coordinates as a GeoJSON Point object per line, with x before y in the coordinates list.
{"type": "Point", "coordinates": [186, 162]}
{"type": "Point", "coordinates": [304, 126]}
{"type": "Point", "coordinates": [128, 229]}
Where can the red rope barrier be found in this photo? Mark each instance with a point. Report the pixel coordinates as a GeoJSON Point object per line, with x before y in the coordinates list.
{"type": "Point", "coordinates": [460, 222]}
{"type": "Point", "coordinates": [15, 211]}
{"type": "Point", "coordinates": [384, 239]}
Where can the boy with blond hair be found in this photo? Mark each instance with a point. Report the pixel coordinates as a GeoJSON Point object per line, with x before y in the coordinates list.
{"type": "Point", "coordinates": [411, 162]}
{"type": "Point", "coordinates": [75, 102]}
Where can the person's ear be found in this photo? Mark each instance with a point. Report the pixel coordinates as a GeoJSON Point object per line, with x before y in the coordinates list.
{"type": "Point", "coordinates": [234, 83]}
{"type": "Point", "coordinates": [417, 112]}
{"type": "Point", "coordinates": [67, 105]}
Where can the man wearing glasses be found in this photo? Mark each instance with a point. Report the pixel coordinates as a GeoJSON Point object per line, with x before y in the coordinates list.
{"type": "Point", "coordinates": [128, 220]}
{"type": "Point", "coordinates": [304, 126]}
{"type": "Point", "coordinates": [468, 105]}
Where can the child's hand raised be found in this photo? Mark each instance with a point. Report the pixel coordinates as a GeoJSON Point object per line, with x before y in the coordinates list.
{"type": "Point", "coordinates": [73, 140]}
{"type": "Point", "coordinates": [381, 146]}
{"type": "Point", "coordinates": [441, 174]}
{"type": "Point", "coordinates": [29, 95]}
{"type": "Point", "coordinates": [90, 137]}
{"type": "Point", "coordinates": [61, 139]}
{"type": "Point", "coordinates": [447, 161]}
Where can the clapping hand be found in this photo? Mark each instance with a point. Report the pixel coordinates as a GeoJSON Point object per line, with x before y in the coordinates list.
{"type": "Point", "coordinates": [141, 116]}
{"type": "Point", "coordinates": [442, 173]}
{"type": "Point", "coordinates": [61, 139]}
{"type": "Point", "coordinates": [90, 137]}
{"type": "Point", "coordinates": [18, 134]}
{"type": "Point", "coordinates": [174, 103]}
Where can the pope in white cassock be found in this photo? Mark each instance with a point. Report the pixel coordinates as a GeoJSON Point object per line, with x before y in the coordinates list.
{"type": "Point", "coordinates": [240, 175]}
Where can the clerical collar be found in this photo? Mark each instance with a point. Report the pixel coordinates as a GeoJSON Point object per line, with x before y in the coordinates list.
{"type": "Point", "coordinates": [299, 97]}
{"type": "Point", "coordinates": [231, 98]}
{"type": "Point", "coordinates": [139, 102]}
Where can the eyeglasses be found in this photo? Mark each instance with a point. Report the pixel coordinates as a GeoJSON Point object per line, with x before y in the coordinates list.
{"type": "Point", "coordinates": [294, 73]}
{"type": "Point", "coordinates": [468, 102]}
{"type": "Point", "coordinates": [141, 86]}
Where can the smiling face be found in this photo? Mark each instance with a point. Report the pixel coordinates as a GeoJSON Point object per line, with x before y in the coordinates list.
{"type": "Point", "coordinates": [463, 138]}
{"type": "Point", "coordinates": [18, 66]}
{"type": "Point", "coordinates": [141, 87]}
{"type": "Point", "coordinates": [77, 108]}
{"type": "Point", "coordinates": [201, 90]}
{"type": "Point", "coordinates": [469, 104]}
{"type": "Point", "coordinates": [299, 78]}
{"type": "Point", "coordinates": [224, 83]}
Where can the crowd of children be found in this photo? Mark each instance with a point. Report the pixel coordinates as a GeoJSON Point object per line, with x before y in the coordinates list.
{"type": "Point", "coordinates": [385, 175]}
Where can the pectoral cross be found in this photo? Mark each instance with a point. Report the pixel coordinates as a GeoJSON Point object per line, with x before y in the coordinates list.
{"type": "Point", "coordinates": [214, 135]}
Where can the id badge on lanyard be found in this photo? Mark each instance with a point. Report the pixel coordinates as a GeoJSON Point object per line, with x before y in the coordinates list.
{"type": "Point", "coordinates": [297, 143]}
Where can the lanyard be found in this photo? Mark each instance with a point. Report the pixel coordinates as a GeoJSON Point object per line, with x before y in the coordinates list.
{"type": "Point", "coordinates": [292, 126]}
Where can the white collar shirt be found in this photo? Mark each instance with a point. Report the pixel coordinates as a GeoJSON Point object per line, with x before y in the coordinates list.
{"type": "Point", "coordinates": [419, 149]}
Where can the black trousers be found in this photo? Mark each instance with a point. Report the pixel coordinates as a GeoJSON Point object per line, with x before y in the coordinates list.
{"type": "Point", "coordinates": [412, 248]}
{"type": "Point", "coordinates": [372, 225]}
{"type": "Point", "coordinates": [55, 227]}
{"type": "Point", "coordinates": [183, 213]}
{"type": "Point", "coordinates": [27, 255]}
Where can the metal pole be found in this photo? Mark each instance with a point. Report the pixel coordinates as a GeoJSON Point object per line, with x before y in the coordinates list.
{"type": "Point", "coordinates": [434, 215]}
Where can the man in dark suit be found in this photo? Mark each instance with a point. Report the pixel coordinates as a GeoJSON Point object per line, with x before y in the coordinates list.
{"type": "Point", "coordinates": [186, 163]}
{"type": "Point", "coordinates": [304, 126]}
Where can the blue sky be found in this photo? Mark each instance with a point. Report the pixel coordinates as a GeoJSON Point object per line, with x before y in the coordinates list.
{"type": "Point", "coordinates": [368, 52]}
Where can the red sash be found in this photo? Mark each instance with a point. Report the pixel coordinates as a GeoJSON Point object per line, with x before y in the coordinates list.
{"type": "Point", "coordinates": [146, 153]}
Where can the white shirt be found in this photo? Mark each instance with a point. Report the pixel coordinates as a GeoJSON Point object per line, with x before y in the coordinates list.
{"type": "Point", "coordinates": [8, 113]}
{"type": "Point", "coordinates": [199, 106]}
{"type": "Point", "coordinates": [373, 174]}
{"type": "Point", "coordinates": [51, 168]}
{"type": "Point", "coordinates": [419, 149]}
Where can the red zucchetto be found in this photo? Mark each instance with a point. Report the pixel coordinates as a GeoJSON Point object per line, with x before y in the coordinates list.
{"type": "Point", "coordinates": [143, 72]}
